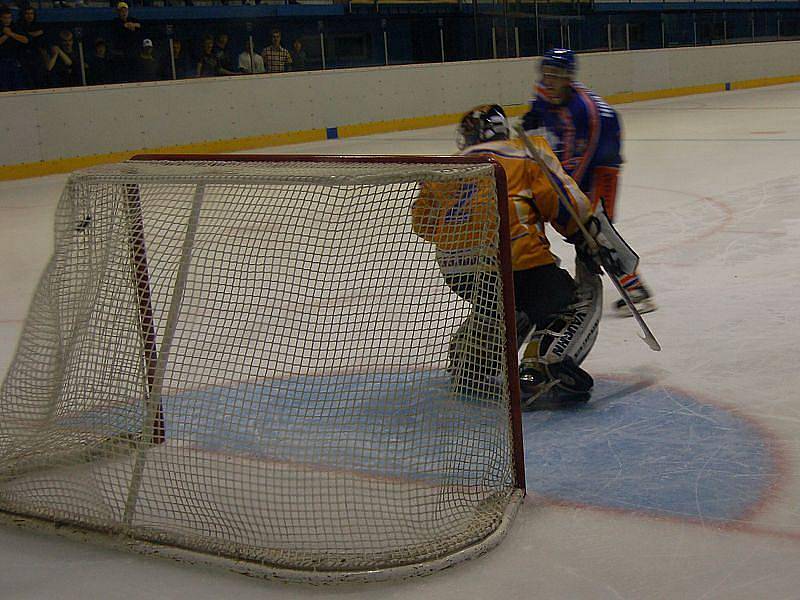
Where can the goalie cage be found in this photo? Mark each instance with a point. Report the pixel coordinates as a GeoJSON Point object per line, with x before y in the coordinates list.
{"type": "Point", "coordinates": [244, 360]}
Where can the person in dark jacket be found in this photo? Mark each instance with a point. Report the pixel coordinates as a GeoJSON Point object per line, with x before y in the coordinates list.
{"type": "Point", "coordinates": [12, 76]}
{"type": "Point", "coordinates": [33, 55]}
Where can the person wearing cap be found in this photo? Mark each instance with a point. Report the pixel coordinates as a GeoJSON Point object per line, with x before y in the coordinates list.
{"type": "Point", "coordinates": [126, 42]}
{"type": "Point", "coordinates": [123, 14]}
{"type": "Point", "coordinates": [147, 68]}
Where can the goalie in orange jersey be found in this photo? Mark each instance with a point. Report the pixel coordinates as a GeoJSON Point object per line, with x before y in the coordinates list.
{"type": "Point", "coordinates": [557, 316]}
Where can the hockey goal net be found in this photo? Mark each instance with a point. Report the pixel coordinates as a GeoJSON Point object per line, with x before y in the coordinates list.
{"type": "Point", "coordinates": [252, 358]}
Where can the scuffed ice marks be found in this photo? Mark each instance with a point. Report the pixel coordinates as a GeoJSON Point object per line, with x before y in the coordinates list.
{"type": "Point", "coordinates": [652, 450]}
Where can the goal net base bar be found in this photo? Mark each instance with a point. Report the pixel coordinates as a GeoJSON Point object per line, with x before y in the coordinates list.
{"type": "Point", "coordinates": [122, 543]}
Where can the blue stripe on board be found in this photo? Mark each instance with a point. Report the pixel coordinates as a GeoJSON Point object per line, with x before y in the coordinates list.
{"type": "Point", "coordinates": [332, 133]}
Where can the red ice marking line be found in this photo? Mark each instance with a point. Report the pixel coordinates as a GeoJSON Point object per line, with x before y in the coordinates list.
{"type": "Point", "coordinates": [777, 451]}
{"type": "Point", "coordinates": [317, 468]}
{"type": "Point", "coordinates": [767, 132]}
{"type": "Point", "coordinates": [726, 210]}
{"type": "Point", "coordinates": [743, 523]}
{"type": "Point", "coordinates": [722, 526]}
{"type": "Point", "coordinates": [756, 232]}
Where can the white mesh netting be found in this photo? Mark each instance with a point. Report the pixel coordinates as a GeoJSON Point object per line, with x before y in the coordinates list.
{"type": "Point", "coordinates": [252, 360]}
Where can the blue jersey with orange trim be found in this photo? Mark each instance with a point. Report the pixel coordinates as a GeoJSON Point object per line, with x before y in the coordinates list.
{"type": "Point", "coordinates": [584, 132]}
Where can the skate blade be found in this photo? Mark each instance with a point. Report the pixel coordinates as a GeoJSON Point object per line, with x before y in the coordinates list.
{"type": "Point", "coordinates": [529, 399]}
{"type": "Point", "coordinates": [557, 399]}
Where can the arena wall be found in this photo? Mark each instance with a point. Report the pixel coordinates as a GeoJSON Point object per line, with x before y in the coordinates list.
{"type": "Point", "coordinates": [50, 131]}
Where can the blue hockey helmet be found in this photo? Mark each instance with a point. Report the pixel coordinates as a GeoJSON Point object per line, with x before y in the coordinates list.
{"type": "Point", "coordinates": [483, 123]}
{"type": "Point", "coordinates": [560, 58]}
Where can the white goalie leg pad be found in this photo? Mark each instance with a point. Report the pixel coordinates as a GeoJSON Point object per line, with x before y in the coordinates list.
{"type": "Point", "coordinates": [573, 332]}
{"type": "Point", "coordinates": [476, 350]}
{"type": "Point", "coordinates": [616, 256]}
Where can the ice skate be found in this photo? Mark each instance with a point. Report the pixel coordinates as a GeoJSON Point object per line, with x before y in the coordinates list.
{"type": "Point", "coordinates": [642, 299]}
{"type": "Point", "coordinates": [533, 384]}
{"type": "Point", "coordinates": [564, 381]}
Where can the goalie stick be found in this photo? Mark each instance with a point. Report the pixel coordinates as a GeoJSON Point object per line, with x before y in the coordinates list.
{"type": "Point", "coordinates": [533, 152]}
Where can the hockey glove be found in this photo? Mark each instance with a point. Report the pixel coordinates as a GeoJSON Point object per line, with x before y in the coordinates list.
{"type": "Point", "coordinates": [611, 253]}
{"type": "Point", "coordinates": [584, 254]}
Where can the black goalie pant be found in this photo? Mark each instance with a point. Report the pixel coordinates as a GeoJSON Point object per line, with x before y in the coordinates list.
{"type": "Point", "coordinates": [542, 292]}
{"type": "Point", "coordinates": [539, 293]}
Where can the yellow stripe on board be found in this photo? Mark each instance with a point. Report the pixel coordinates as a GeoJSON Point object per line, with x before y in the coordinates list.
{"type": "Point", "coordinates": [752, 83]}
{"type": "Point", "coordinates": [670, 93]}
{"type": "Point", "coordinates": [65, 165]}
{"type": "Point", "coordinates": [399, 125]}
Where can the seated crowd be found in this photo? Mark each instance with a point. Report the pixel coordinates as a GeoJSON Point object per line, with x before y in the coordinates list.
{"type": "Point", "coordinates": [32, 57]}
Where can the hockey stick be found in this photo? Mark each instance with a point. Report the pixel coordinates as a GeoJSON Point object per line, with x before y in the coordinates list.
{"type": "Point", "coordinates": [531, 150]}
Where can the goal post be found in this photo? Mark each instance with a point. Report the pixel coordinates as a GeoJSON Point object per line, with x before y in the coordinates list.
{"type": "Point", "coordinates": [264, 359]}
{"type": "Point", "coordinates": [141, 274]}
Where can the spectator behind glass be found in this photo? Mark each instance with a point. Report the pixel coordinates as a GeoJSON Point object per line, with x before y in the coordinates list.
{"type": "Point", "coordinates": [63, 64]}
{"type": "Point", "coordinates": [33, 55]}
{"type": "Point", "coordinates": [207, 64]}
{"type": "Point", "coordinates": [12, 77]}
{"type": "Point", "coordinates": [100, 69]}
{"type": "Point", "coordinates": [125, 43]}
{"type": "Point", "coordinates": [245, 64]}
{"type": "Point", "coordinates": [182, 66]}
{"type": "Point", "coordinates": [147, 67]}
{"type": "Point", "coordinates": [276, 57]}
{"type": "Point", "coordinates": [298, 56]}
{"type": "Point", "coordinates": [224, 61]}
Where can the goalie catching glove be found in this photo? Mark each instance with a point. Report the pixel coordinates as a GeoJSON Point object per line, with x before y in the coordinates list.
{"type": "Point", "coordinates": [607, 249]}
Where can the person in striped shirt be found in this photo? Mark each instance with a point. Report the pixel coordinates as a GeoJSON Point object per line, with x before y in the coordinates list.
{"type": "Point", "coordinates": [585, 134]}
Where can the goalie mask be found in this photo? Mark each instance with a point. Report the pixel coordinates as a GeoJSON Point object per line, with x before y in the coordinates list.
{"type": "Point", "coordinates": [485, 123]}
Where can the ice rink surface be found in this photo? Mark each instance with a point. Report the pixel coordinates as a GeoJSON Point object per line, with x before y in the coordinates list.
{"type": "Point", "coordinates": [680, 479]}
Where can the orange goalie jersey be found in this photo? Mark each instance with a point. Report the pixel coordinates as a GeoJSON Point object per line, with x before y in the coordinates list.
{"type": "Point", "coordinates": [457, 217]}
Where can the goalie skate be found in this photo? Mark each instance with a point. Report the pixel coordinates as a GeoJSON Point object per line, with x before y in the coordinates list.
{"type": "Point", "coordinates": [564, 381]}
{"type": "Point", "coordinates": [642, 300]}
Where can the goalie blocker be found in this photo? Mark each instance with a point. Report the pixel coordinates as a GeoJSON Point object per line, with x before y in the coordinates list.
{"type": "Point", "coordinates": [610, 251]}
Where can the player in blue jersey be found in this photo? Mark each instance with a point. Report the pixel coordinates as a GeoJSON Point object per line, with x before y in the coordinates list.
{"type": "Point", "coordinates": [584, 131]}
